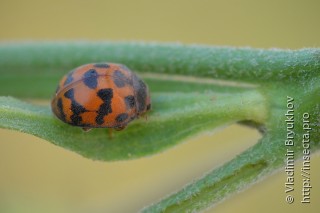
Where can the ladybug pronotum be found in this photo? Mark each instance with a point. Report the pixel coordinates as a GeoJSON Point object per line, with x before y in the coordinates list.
{"type": "Point", "coordinates": [101, 95]}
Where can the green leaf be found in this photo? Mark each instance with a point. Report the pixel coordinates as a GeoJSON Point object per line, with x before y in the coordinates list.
{"type": "Point", "coordinates": [174, 117]}
{"type": "Point", "coordinates": [255, 88]}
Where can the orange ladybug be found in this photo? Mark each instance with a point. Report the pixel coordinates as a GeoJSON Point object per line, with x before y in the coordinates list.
{"type": "Point", "coordinates": [101, 95]}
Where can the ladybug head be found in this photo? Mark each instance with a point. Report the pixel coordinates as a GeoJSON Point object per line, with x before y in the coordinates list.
{"type": "Point", "coordinates": [143, 97]}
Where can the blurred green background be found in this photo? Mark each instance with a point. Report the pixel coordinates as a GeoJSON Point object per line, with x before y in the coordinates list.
{"type": "Point", "coordinates": [39, 177]}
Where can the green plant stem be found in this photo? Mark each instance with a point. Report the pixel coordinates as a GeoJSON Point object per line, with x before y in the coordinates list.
{"type": "Point", "coordinates": [52, 60]}
{"type": "Point", "coordinates": [181, 109]}
{"type": "Point", "coordinates": [260, 160]}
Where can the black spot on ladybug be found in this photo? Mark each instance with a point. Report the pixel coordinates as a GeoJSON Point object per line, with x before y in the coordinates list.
{"type": "Point", "coordinates": [76, 108]}
{"type": "Point", "coordinates": [76, 119]}
{"type": "Point", "coordinates": [119, 78]}
{"type": "Point", "coordinates": [69, 94]}
{"type": "Point", "coordinates": [90, 78]}
{"type": "Point", "coordinates": [101, 65]}
{"type": "Point", "coordinates": [122, 117]}
{"type": "Point", "coordinates": [141, 95]}
{"type": "Point", "coordinates": [69, 79]}
{"type": "Point", "coordinates": [60, 108]}
{"type": "Point", "coordinates": [106, 96]}
{"type": "Point", "coordinates": [130, 101]}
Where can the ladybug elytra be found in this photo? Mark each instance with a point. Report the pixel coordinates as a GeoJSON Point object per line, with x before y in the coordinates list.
{"type": "Point", "coordinates": [100, 95]}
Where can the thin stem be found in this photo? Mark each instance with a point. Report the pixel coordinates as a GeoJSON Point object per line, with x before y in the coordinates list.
{"type": "Point", "coordinates": [236, 64]}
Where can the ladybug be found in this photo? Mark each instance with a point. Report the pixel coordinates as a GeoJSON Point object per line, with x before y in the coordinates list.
{"type": "Point", "coordinates": [100, 95]}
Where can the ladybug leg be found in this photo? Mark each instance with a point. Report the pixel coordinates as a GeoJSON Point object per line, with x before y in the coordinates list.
{"type": "Point", "coordinates": [110, 133]}
{"type": "Point", "coordinates": [86, 129]}
{"type": "Point", "coordinates": [145, 116]}
{"type": "Point", "coordinates": [119, 128]}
